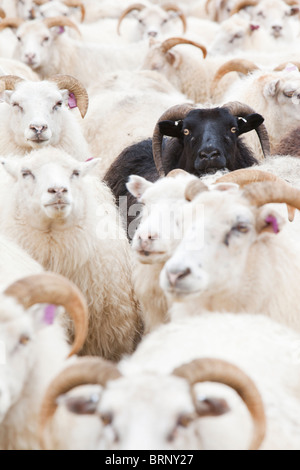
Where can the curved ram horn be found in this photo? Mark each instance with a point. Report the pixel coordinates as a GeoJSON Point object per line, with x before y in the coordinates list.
{"type": "Point", "coordinates": [217, 370]}
{"type": "Point", "coordinates": [85, 371]}
{"type": "Point", "coordinates": [176, 172]}
{"type": "Point", "coordinates": [194, 188]}
{"type": "Point", "coordinates": [74, 86]}
{"type": "Point", "coordinates": [175, 113]}
{"type": "Point", "coordinates": [61, 21]}
{"type": "Point", "coordinates": [235, 65]}
{"type": "Point", "coordinates": [281, 67]}
{"type": "Point", "coordinates": [240, 109]}
{"type": "Point", "coordinates": [259, 194]}
{"type": "Point", "coordinates": [8, 82]}
{"type": "Point", "coordinates": [11, 23]}
{"type": "Point", "coordinates": [172, 42]}
{"type": "Point", "coordinates": [243, 4]}
{"type": "Point", "coordinates": [51, 288]}
{"type": "Point", "coordinates": [181, 15]}
{"type": "Point", "coordinates": [40, 2]}
{"type": "Point", "coordinates": [76, 4]}
{"type": "Point", "coordinates": [247, 176]}
{"type": "Point", "coordinates": [135, 6]}
{"type": "Point", "coordinates": [2, 13]}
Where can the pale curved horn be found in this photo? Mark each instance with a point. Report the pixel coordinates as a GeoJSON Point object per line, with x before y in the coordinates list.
{"type": "Point", "coordinates": [85, 371]}
{"type": "Point", "coordinates": [247, 176]}
{"type": "Point", "coordinates": [74, 86]}
{"type": "Point", "coordinates": [51, 288]}
{"type": "Point", "coordinates": [176, 172]}
{"type": "Point", "coordinates": [2, 13]}
{"type": "Point", "coordinates": [241, 110]}
{"type": "Point", "coordinates": [76, 4]}
{"type": "Point", "coordinates": [282, 66]}
{"type": "Point", "coordinates": [181, 15]}
{"type": "Point", "coordinates": [61, 21]}
{"type": "Point", "coordinates": [217, 370]}
{"type": "Point", "coordinates": [172, 42]}
{"type": "Point", "coordinates": [135, 6]}
{"type": "Point", "coordinates": [176, 113]}
{"type": "Point", "coordinates": [243, 4]}
{"type": "Point", "coordinates": [194, 188]}
{"type": "Point", "coordinates": [8, 82]}
{"type": "Point", "coordinates": [259, 194]}
{"type": "Point", "coordinates": [11, 23]}
{"type": "Point", "coordinates": [235, 65]}
{"type": "Point", "coordinates": [40, 2]}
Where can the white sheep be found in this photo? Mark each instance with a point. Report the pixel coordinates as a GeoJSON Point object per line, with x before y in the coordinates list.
{"type": "Point", "coordinates": [68, 222]}
{"type": "Point", "coordinates": [230, 257]}
{"type": "Point", "coordinates": [156, 238]}
{"type": "Point", "coordinates": [37, 114]}
{"type": "Point", "coordinates": [143, 405]}
{"type": "Point", "coordinates": [45, 47]}
{"type": "Point", "coordinates": [36, 349]}
{"type": "Point", "coordinates": [15, 67]}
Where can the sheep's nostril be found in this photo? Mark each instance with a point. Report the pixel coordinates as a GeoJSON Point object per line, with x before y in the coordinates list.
{"type": "Point", "coordinates": [174, 277]}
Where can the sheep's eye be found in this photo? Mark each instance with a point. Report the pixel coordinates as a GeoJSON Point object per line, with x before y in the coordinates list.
{"type": "Point", "coordinates": [24, 339]}
{"type": "Point", "coordinates": [233, 130]}
{"type": "Point", "coordinates": [46, 39]}
{"type": "Point", "coordinates": [58, 105]}
{"type": "Point", "coordinates": [107, 418]}
{"type": "Point", "coordinates": [76, 173]}
{"type": "Point", "coordinates": [186, 132]}
{"type": "Point", "coordinates": [26, 173]}
{"type": "Point", "coordinates": [289, 94]}
{"type": "Point", "coordinates": [242, 228]}
{"type": "Point", "coordinates": [17, 106]}
{"type": "Point", "coordinates": [261, 13]}
{"type": "Point", "coordinates": [19, 39]}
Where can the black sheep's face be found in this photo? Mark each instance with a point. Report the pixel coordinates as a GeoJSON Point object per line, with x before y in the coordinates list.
{"type": "Point", "coordinates": [209, 138]}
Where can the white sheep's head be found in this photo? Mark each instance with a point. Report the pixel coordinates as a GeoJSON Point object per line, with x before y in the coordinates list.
{"type": "Point", "coordinates": [28, 310]}
{"type": "Point", "coordinates": [226, 225]}
{"type": "Point", "coordinates": [277, 17]}
{"type": "Point", "coordinates": [56, 8]}
{"type": "Point", "coordinates": [153, 20]}
{"type": "Point", "coordinates": [160, 229]}
{"type": "Point", "coordinates": [36, 39]}
{"type": "Point", "coordinates": [26, 9]}
{"type": "Point", "coordinates": [53, 183]}
{"type": "Point", "coordinates": [39, 111]}
{"type": "Point", "coordinates": [163, 411]}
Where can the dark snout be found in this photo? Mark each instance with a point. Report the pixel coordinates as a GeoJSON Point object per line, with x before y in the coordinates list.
{"type": "Point", "coordinates": [209, 157]}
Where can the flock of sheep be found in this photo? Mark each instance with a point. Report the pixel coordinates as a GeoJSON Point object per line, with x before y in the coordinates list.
{"type": "Point", "coordinates": [149, 237]}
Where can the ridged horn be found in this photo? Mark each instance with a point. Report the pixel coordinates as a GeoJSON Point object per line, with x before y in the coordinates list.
{"type": "Point", "coordinates": [217, 370]}
{"type": "Point", "coordinates": [241, 109]}
{"type": "Point", "coordinates": [175, 113]}
{"type": "Point", "coordinates": [235, 65]}
{"type": "Point", "coordinates": [76, 4]}
{"type": "Point", "coordinates": [11, 23]}
{"type": "Point", "coordinates": [85, 371]}
{"type": "Point", "coordinates": [282, 66]}
{"type": "Point", "coordinates": [172, 42]}
{"type": "Point", "coordinates": [51, 288]}
{"type": "Point", "coordinates": [243, 4]}
{"type": "Point", "coordinates": [74, 86]}
{"type": "Point", "coordinates": [135, 6]}
{"type": "Point", "coordinates": [259, 194]}
{"type": "Point", "coordinates": [181, 15]}
{"type": "Point", "coordinates": [2, 13]}
{"type": "Point", "coordinates": [61, 21]}
{"type": "Point", "coordinates": [8, 82]}
{"type": "Point", "coordinates": [194, 188]}
{"type": "Point", "coordinates": [40, 2]}
{"type": "Point", "coordinates": [247, 176]}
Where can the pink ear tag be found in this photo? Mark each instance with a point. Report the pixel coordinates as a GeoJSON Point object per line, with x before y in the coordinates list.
{"type": "Point", "coordinates": [72, 101]}
{"type": "Point", "coordinates": [291, 68]}
{"type": "Point", "coordinates": [49, 314]}
{"type": "Point", "coordinates": [271, 220]}
{"type": "Point", "coordinates": [254, 27]}
{"type": "Point", "coordinates": [61, 29]}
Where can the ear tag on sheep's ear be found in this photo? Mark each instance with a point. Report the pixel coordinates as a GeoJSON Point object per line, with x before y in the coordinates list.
{"type": "Point", "coordinates": [61, 29]}
{"type": "Point", "coordinates": [49, 314]}
{"type": "Point", "coordinates": [272, 221]}
{"type": "Point", "coordinates": [291, 68]}
{"type": "Point", "coordinates": [72, 101]}
{"type": "Point", "coordinates": [254, 27]}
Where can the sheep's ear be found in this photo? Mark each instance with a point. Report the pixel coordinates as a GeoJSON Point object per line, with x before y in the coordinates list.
{"type": "Point", "coordinates": [5, 96]}
{"type": "Point", "coordinates": [137, 185]}
{"type": "Point", "coordinates": [271, 89]}
{"type": "Point", "coordinates": [69, 99]}
{"type": "Point", "coordinates": [89, 165]}
{"type": "Point", "coordinates": [172, 58]}
{"type": "Point", "coordinates": [211, 406]}
{"type": "Point", "coordinates": [269, 221]}
{"type": "Point", "coordinates": [171, 128]}
{"type": "Point", "coordinates": [11, 167]}
{"type": "Point", "coordinates": [248, 123]}
{"type": "Point", "coordinates": [81, 405]}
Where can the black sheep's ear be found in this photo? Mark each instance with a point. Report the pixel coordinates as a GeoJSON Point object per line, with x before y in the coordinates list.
{"type": "Point", "coordinates": [248, 123]}
{"type": "Point", "coordinates": [171, 128]}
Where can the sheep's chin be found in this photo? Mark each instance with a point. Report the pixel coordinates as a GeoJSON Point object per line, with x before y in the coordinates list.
{"type": "Point", "coordinates": [152, 258]}
{"type": "Point", "coordinates": [37, 144]}
{"type": "Point", "coordinates": [57, 211]}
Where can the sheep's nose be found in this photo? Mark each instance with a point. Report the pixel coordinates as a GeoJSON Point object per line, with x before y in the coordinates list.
{"type": "Point", "coordinates": [38, 129]}
{"type": "Point", "coordinates": [152, 34]}
{"type": "Point", "coordinates": [30, 56]}
{"type": "Point", "coordinates": [209, 153]}
{"type": "Point", "coordinates": [56, 190]}
{"type": "Point", "coordinates": [277, 28]}
{"type": "Point", "coordinates": [175, 276]}
{"type": "Point", "coordinates": [146, 241]}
